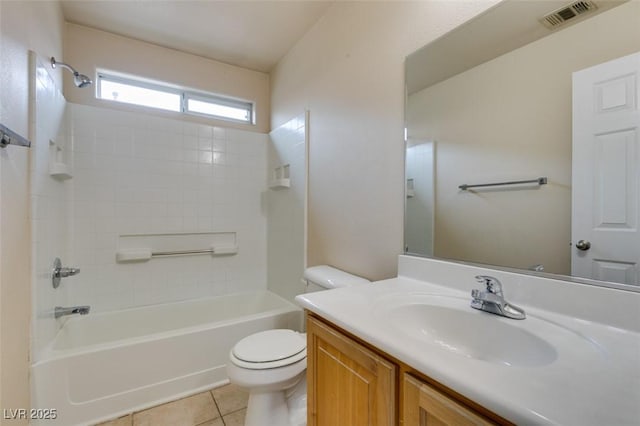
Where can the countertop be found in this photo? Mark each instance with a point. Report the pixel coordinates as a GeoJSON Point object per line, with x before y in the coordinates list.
{"type": "Point", "coordinates": [595, 381]}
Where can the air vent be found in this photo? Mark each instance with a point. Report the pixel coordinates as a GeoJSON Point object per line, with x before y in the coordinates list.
{"type": "Point", "coordinates": [564, 14]}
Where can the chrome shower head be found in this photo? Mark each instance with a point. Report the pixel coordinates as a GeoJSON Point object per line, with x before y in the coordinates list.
{"type": "Point", "coordinates": [80, 80]}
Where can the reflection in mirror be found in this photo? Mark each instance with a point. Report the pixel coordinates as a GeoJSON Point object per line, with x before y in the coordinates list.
{"type": "Point", "coordinates": [420, 171]}
{"type": "Point", "coordinates": [502, 104]}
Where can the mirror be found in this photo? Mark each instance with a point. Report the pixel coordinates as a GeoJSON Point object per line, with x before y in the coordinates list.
{"type": "Point", "coordinates": [492, 102]}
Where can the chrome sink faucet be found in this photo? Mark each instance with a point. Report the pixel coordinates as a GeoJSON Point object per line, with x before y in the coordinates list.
{"type": "Point", "coordinates": [60, 311]}
{"type": "Point", "coordinates": [492, 299]}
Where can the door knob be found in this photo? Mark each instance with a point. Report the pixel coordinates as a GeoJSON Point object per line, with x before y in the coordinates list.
{"type": "Point", "coordinates": [583, 245]}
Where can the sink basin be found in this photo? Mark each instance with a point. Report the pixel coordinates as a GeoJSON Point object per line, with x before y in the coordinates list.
{"type": "Point", "coordinates": [448, 323]}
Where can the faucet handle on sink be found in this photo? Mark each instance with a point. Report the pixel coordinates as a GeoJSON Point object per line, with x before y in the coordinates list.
{"type": "Point", "coordinates": [492, 299]}
{"type": "Point", "coordinates": [492, 284]}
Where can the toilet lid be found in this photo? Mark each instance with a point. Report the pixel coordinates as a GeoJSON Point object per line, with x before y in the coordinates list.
{"type": "Point", "coordinates": [270, 345]}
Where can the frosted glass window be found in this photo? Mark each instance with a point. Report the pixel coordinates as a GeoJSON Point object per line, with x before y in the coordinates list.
{"type": "Point", "coordinates": [143, 96]}
{"type": "Point", "coordinates": [242, 113]}
{"type": "Point", "coordinates": [134, 91]}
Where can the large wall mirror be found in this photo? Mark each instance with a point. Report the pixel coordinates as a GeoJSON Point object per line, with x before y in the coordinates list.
{"type": "Point", "coordinates": [509, 97]}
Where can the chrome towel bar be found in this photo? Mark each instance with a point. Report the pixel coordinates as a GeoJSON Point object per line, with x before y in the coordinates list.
{"type": "Point", "coordinates": [9, 137]}
{"type": "Point", "coordinates": [180, 252]}
{"type": "Point", "coordinates": [539, 181]}
{"type": "Point", "coordinates": [142, 254]}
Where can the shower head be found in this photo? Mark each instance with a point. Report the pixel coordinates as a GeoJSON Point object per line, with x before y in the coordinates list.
{"type": "Point", "coordinates": [80, 80]}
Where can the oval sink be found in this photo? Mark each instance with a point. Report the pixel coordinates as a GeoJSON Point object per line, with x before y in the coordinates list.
{"type": "Point", "coordinates": [450, 324]}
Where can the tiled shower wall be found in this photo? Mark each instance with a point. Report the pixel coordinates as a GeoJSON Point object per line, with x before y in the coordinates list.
{"type": "Point", "coordinates": [286, 242]}
{"type": "Point", "coordinates": [49, 203]}
{"type": "Point", "coordinates": [139, 174]}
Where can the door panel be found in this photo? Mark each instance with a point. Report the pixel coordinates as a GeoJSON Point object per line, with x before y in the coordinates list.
{"type": "Point", "coordinates": [606, 177]}
{"type": "Point", "coordinates": [615, 202]}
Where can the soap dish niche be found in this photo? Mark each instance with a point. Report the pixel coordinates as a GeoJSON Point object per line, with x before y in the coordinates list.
{"type": "Point", "coordinates": [411, 192]}
{"type": "Point", "coordinates": [58, 168]}
{"type": "Point", "coordinates": [280, 177]}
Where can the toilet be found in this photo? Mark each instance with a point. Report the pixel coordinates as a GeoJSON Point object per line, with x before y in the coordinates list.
{"type": "Point", "coordinates": [272, 364]}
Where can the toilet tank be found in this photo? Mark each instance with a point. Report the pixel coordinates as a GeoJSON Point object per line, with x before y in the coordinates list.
{"type": "Point", "coordinates": [325, 277]}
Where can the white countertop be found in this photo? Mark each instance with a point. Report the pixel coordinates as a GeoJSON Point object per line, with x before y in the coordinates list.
{"type": "Point", "coordinates": [593, 382]}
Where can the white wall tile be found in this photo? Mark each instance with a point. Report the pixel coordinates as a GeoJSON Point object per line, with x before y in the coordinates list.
{"type": "Point", "coordinates": [163, 176]}
{"type": "Point", "coordinates": [286, 210]}
{"type": "Point", "coordinates": [49, 209]}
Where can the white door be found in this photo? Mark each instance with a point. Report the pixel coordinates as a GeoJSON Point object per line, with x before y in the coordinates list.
{"type": "Point", "coordinates": [606, 177]}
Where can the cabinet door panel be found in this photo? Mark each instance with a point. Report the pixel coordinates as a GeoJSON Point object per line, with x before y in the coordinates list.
{"type": "Point", "coordinates": [345, 387]}
{"type": "Point", "coordinates": [348, 384]}
{"type": "Point", "coordinates": [426, 406]}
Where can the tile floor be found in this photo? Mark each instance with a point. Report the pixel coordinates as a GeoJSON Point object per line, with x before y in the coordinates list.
{"type": "Point", "coordinates": [224, 406]}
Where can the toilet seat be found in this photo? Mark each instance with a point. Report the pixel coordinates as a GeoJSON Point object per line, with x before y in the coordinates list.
{"type": "Point", "coordinates": [269, 349]}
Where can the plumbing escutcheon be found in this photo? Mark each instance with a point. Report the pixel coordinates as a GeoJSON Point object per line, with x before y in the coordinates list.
{"type": "Point", "coordinates": [59, 272]}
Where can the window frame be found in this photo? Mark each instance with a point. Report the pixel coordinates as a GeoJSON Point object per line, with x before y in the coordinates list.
{"type": "Point", "coordinates": [185, 96]}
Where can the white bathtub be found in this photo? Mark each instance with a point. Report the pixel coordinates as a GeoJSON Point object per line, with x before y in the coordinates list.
{"type": "Point", "coordinates": [104, 365]}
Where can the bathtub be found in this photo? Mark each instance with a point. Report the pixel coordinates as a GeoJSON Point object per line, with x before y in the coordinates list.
{"type": "Point", "coordinates": [104, 365]}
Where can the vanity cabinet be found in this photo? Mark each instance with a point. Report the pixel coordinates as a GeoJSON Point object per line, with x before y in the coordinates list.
{"type": "Point", "coordinates": [348, 384]}
{"type": "Point", "coordinates": [351, 383]}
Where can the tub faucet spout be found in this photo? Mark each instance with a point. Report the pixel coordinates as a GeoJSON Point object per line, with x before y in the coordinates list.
{"type": "Point", "coordinates": [60, 311]}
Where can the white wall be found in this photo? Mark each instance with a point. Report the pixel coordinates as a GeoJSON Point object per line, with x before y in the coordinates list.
{"type": "Point", "coordinates": [287, 210]}
{"type": "Point", "coordinates": [23, 26]}
{"type": "Point", "coordinates": [139, 174]}
{"type": "Point", "coordinates": [348, 70]}
{"type": "Point", "coordinates": [87, 49]}
{"type": "Point", "coordinates": [510, 119]}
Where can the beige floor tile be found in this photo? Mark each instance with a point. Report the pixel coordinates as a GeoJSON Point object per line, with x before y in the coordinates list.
{"type": "Point", "coordinates": [235, 418]}
{"type": "Point", "coordinates": [190, 411]}
{"type": "Point", "coordinates": [214, 422]}
{"type": "Point", "coordinates": [230, 398]}
{"type": "Point", "coordinates": [120, 421]}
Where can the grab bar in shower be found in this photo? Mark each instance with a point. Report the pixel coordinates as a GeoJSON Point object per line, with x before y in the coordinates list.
{"type": "Point", "coordinates": [213, 250]}
{"type": "Point", "coordinates": [144, 254]}
{"type": "Point", "coordinates": [181, 252]}
{"type": "Point", "coordinates": [540, 181]}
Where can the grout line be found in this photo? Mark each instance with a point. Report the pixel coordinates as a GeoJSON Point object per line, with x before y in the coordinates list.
{"type": "Point", "coordinates": [130, 415]}
{"type": "Point", "coordinates": [218, 408]}
{"type": "Point", "coordinates": [231, 413]}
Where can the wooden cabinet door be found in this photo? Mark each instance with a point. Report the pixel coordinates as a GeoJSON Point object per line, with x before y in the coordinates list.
{"type": "Point", "coordinates": [426, 406]}
{"type": "Point", "coordinates": [348, 385]}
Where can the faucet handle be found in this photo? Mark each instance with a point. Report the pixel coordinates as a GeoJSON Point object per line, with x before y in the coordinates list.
{"type": "Point", "coordinates": [59, 272]}
{"type": "Point", "coordinates": [66, 272]}
{"type": "Point", "coordinates": [492, 284]}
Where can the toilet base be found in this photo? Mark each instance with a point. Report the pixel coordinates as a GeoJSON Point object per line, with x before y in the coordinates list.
{"type": "Point", "coordinates": [278, 408]}
{"type": "Point", "coordinates": [297, 403]}
{"type": "Point", "coordinates": [267, 408]}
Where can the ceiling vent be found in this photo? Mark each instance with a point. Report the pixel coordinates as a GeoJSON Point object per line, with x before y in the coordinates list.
{"type": "Point", "coordinates": [567, 13]}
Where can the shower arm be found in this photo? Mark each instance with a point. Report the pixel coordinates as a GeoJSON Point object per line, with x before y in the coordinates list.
{"type": "Point", "coordinates": [55, 63]}
{"type": "Point", "coordinates": [80, 80]}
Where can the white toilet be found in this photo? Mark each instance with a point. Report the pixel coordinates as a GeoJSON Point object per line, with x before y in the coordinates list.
{"type": "Point", "coordinates": [272, 364]}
